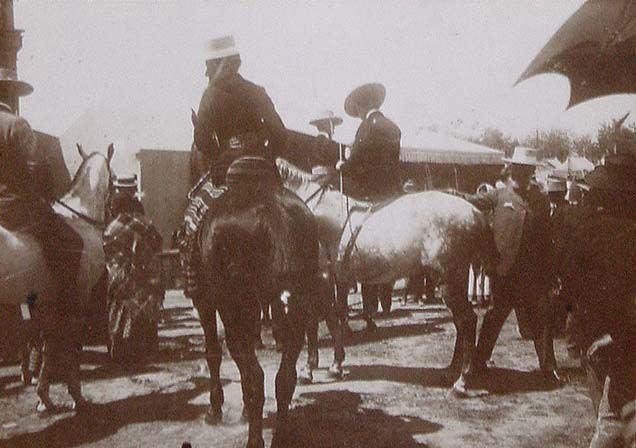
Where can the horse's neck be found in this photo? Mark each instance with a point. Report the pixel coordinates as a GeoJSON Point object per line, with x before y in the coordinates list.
{"type": "Point", "coordinates": [88, 196]}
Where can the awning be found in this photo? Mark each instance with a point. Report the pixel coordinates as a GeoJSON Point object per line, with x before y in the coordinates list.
{"type": "Point", "coordinates": [430, 147]}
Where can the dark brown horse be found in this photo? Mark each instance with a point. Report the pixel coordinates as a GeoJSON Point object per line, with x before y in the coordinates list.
{"type": "Point", "coordinates": [596, 258]}
{"type": "Point", "coordinates": [257, 244]}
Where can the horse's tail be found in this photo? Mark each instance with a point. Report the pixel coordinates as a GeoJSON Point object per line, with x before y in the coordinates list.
{"type": "Point", "coordinates": [486, 251]}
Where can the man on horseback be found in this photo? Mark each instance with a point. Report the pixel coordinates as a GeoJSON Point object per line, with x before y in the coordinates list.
{"type": "Point", "coordinates": [372, 170]}
{"type": "Point", "coordinates": [25, 205]}
{"type": "Point", "coordinates": [524, 275]}
{"type": "Point", "coordinates": [236, 118]}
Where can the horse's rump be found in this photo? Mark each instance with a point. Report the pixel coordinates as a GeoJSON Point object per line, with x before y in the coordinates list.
{"type": "Point", "coordinates": [265, 239]}
{"type": "Point", "coordinates": [429, 229]}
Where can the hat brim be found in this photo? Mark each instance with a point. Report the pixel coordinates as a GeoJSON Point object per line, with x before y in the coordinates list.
{"type": "Point", "coordinates": [370, 96]}
{"type": "Point", "coordinates": [19, 88]}
{"type": "Point", "coordinates": [527, 162]}
{"type": "Point", "coordinates": [335, 121]}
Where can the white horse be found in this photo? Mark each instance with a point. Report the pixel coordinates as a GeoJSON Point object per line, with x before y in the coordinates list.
{"type": "Point", "coordinates": [378, 245]}
{"type": "Point", "coordinates": [23, 270]}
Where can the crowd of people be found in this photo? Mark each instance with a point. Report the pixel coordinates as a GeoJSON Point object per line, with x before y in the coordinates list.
{"type": "Point", "coordinates": [236, 118]}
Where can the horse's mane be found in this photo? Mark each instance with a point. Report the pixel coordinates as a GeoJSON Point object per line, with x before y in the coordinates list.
{"type": "Point", "coordinates": [290, 173]}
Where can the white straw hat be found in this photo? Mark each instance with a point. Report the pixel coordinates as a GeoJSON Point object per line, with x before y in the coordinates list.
{"type": "Point", "coordinates": [220, 47]}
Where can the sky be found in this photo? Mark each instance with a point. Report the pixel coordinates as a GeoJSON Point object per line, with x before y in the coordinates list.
{"type": "Point", "coordinates": [440, 60]}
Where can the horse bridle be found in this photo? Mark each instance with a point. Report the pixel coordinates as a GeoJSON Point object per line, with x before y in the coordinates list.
{"type": "Point", "coordinates": [94, 222]}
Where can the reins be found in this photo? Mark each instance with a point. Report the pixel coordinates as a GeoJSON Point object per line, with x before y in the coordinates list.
{"type": "Point", "coordinates": [88, 219]}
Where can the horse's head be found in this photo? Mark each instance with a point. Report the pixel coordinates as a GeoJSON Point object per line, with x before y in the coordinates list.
{"type": "Point", "coordinates": [92, 183]}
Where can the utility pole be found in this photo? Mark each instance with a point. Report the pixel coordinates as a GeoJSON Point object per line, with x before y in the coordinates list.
{"type": "Point", "coordinates": [10, 43]}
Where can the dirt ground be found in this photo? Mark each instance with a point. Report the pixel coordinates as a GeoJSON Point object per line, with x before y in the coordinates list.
{"type": "Point", "coordinates": [395, 394]}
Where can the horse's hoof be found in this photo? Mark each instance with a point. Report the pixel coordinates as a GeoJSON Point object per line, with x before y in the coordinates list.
{"type": "Point", "coordinates": [80, 406]}
{"type": "Point", "coordinates": [305, 376]}
{"type": "Point", "coordinates": [460, 390]}
{"type": "Point", "coordinates": [553, 379]}
{"type": "Point", "coordinates": [45, 409]}
{"type": "Point", "coordinates": [335, 371]}
{"type": "Point", "coordinates": [213, 416]}
{"type": "Point", "coordinates": [371, 327]}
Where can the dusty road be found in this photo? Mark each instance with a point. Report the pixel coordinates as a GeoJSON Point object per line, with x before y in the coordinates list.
{"type": "Point", "coordinates": [395, 395]}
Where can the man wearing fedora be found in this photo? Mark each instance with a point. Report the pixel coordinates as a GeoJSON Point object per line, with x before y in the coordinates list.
{"type": "Point", "coordinates": [236, 117]}
{"type": "Point", "coordinates": [24, 206]}
{"type": "Point", "coordinates": [127, 185]}
{"type": "Point", "coordinates": [372, 170]}
{"type": "Point", "coordinates": [524, 274]}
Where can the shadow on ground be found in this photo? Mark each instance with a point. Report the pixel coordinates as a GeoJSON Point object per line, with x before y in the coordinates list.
{"type": "Point", "coordinates": [497, 381]}
{"type": "Point", "coordinates": [336, 419]}
{"type": "Point", "coordinates": [104, 420]}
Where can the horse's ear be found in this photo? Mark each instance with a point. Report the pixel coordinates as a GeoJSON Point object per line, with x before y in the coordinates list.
{"type": "Point", "coordinates": [111, 151]}
{"type": "Point", "coordinates": [193, 118]}
{"type": "Point", "coordinates": [81, 151]}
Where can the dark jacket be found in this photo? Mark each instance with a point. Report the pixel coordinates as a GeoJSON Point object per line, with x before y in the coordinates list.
{"type": "Point", "coordinates": [372, 170]}
{"type": "Point", "coordinates": [237, 118]}
{"type": "Point", "coordinates": [521, 228]}
{"type": "Point", "coordinates": [22, 169]}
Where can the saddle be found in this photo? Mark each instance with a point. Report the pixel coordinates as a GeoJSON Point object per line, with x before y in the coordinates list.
{"type": "Point", "coordinates": [366, 211]}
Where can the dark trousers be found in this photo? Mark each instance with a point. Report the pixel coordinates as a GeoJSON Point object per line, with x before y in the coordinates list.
{"type": "Point", "coordinates": [514, 291]}
{"type": "Point", "coordinates": [61, 318]}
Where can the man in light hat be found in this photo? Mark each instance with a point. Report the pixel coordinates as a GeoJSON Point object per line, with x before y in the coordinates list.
{"type": "Point", "coordinates": [127, 185]}
{"type": "Point", "coordinates": [524, 274]}
{"type": "Point", "coordinates": [24, 206]}
{"type": "Point", "coordinates": [236, 117]}
{"type": "Point", "coordinates": [372, 170]}
{"type": "Point", "coordinates": [326, 150]}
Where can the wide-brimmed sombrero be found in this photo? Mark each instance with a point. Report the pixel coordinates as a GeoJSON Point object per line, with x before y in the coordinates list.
{"type": "Point", "coordinates": [366, 97]}
{"type": "Point", "coordinates": [324, 118]}
{"type": "Point", "coordinates": [9, 81]}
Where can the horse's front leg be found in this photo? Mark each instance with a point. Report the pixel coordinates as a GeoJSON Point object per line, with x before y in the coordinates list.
{"type": "Point", "coordinates": [465, 321]}
{"type": "Point", "coordinates": [214, 354]}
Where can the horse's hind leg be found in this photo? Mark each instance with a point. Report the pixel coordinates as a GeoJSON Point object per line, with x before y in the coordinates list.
{"type": "Point", "coordinates": [213, 357]}
{"type": "Point", "coordinates": [241, 346]}
{"type": "Point", "coordinates": [286, 377]}
{"type": "Point", "coordinates": [342, 308]}
{"type": "Point", "coordinates": [336, 331]}
{"type": "Point", "coordinates": [306, 373]}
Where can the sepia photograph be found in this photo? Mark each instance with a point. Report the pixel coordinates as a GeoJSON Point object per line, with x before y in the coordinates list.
{"type": "Point", "coordinates": [318, 224]}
